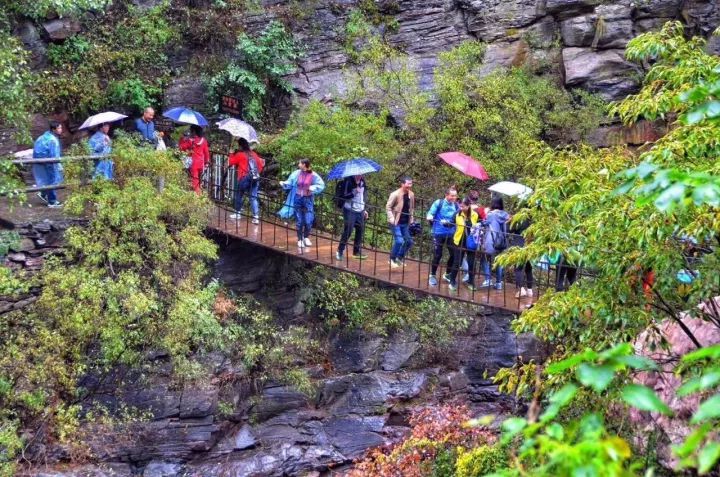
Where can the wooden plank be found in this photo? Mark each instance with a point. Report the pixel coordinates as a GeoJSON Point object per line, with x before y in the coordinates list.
{"type": "Point", "coordinates": [414, 275]}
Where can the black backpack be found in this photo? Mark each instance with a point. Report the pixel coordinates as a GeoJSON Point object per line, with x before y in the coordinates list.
{"type": "Point", "coordinates": [339, 197]}
{"type": "Point", "coordinates": [499, 238]}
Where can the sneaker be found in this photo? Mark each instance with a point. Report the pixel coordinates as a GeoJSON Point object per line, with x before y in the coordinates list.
{"type": "Point", "coordinates": [466, 278]}
{"type": "Point", "coordinates": [521, 293]}
{"type": "Point", "coordinates": [42, 197]}
{"type": "Point", "coordinates": [394, 264]}
{"type": "Point", "coordinates": [235, 216]}
{"type": "Point", "coordinates": [499, 286]}
{"type": "Point", "coordinates": [256, 220]}
{"type": "Point", "coordinates": [529, 293]}
{"type": "Point", "coordinates": [338, 256]}
{"type": "Point", "coordinates": [485, 283]}
{"type": "Point", "coordinates": [471, 287]}
{"type": "Point", "coordinates": [446, 277]}
{"type": "Point", "coordinates": [432, 281]}
{"type": "Point", "coordinates": [452, 288]}
{"type": "Point", "coordinates": [54, 205]}
{"type": "Point", "coordinates": [301, 244]}
{"type": "Point", "coordinates": [360, 257]}
{"type": "Point", "coordinates": [307, 242]}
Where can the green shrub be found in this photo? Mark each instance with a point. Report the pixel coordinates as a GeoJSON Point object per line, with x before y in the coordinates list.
{"type": "Point", "coordinates": [480, 461]}
{"type": "Point", "coordinates": [15, 85]}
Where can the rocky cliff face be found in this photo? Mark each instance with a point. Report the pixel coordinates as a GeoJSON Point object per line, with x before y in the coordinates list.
{"type": "Point", "coordinates": [364, 395]}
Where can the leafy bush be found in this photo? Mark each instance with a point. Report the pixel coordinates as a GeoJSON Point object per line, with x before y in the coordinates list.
{"type": "Point", "coordinates": [260, 68]}
{"type": "Point", "coordinates": [480, 461]}
{"type": "Point", "coordinates": [40, 9]}
{"type": "Point", "coordinates": [15, 84]}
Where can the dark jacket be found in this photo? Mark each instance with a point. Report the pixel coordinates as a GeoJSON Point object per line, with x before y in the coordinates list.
{"type": "Point", "coordinates": [516, 230]}
{"type": "Point", "coordinates": [348, 188]}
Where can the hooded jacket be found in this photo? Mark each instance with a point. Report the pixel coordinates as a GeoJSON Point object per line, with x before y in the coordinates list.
{"type": "Point", "coordinates": [497, 222]}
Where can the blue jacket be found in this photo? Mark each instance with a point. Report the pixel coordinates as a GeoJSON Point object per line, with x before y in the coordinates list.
{"type": "Point", "coordinates": [497, 223]}
{"type": "Point", "coordinates": [47, 146]}
{"type": "Point", "coordinates": [146, 130]}
{"type": "Point", "coordinates": [316, 187]}
{"type": "Point", "coordinates": [440, 210]}
{"type": "Point", "coordinates": [100, 144]}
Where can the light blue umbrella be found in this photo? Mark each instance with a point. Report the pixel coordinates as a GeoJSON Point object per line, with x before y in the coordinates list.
{"type": "Point", "coordinates": [354, 167]}
{"type": "Point", "coordinates": [186, 116]}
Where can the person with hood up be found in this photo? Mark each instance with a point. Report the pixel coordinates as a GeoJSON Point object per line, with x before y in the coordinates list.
{"type": "Point", "coordinates": [494, 241]}
{"type": "Point", "coordinates": [101, 146]}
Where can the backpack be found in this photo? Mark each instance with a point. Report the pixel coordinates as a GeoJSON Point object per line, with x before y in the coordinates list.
{"type": "Point", "coordinates": [339, 198]}
{"type": "Point", "coordinates": [499, 238]}
{"type": "Point", "coordinates": [253, 167]}
{"type": "Point", "coordinates": [475, 237]}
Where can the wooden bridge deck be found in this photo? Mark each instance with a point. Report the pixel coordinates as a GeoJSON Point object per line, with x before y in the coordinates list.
{"type": "Point", "coordinates": [277, 236]}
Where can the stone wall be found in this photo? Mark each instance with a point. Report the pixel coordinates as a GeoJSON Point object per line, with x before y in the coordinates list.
{"type": "Point", "coordinates": [364, 395]}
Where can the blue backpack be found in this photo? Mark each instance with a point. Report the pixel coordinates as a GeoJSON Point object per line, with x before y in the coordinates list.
{"type": "Point", "coordinates": [475, 237]}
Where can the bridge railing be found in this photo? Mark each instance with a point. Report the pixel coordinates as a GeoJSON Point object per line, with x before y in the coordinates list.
{"type": "Point", "coordinates": [221, 184]}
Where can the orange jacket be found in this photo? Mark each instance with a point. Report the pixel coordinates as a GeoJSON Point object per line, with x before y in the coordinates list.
{"type": "Point", "coordinates": [240, 160]}
{"type": "Point", "coordinates": [200, 151]}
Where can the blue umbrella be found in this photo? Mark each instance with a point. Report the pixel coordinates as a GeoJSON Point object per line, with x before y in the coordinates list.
{"type": "Point", "coordinates": [354, 167]}
{"type": "Point", "coordinates": [186, 116]}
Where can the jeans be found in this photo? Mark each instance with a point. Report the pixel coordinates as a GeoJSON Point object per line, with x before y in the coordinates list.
{"type": "Point", "coordinates": [245, 185]}
{"type": "Point", "coordinates": [352, 221]}
{"type": "Point", "coordinates": [440, 242]}
{"type": "Point", "coordinates": [402, 241]}
{"type": "Point", "coordinates": [462, 254]}
{"type": "Point", "coordinates": [486, 263]}
{"type": "Point", "coordinates": [526, 280]}
{"type": "Point", "coordinates": [304, 215]}
{"type": "Point", "coordinates": [45, 175]}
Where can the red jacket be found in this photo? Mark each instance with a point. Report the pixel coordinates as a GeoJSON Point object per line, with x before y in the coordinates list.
{"type": "Point", "coordinates": [200, 151]}
{"type": "Point", "coordinates": [240, 160]}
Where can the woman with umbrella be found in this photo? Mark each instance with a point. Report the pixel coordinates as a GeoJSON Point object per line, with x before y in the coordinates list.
{"type": "Point", "coordinates": [100, 142]}
{"type": "Point", "coordinates": [199, 151]}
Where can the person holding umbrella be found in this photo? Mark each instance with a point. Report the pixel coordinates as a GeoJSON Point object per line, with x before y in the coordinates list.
{"type": "Point", "coordinates": [101, 146]}
{"type": "Point", "coordinates": [199, 151]}
{"type": "Point", "coordinates": [249, 166]}
{"type": "Point", "coordinates": [306, 184]}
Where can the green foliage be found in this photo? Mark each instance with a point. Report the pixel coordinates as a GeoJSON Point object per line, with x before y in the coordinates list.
{"type": "Point", "coordinates": [342, 302]}
{"type": "Point", "coordinates": [481, 461]}
{"type": "Point", "coordinates": [40, 9]}
{"type": "Point", "coordinates": [260, 69]}
{"type": "Point", "coordinates": [119, 62]}
{"type": "Point", "coordinates": [15, 84]}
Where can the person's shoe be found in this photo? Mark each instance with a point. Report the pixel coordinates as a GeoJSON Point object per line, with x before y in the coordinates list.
{"type": "Point", "coordinates": [485, 284]}
{"type": "Point", "coordinates": [42, 197]}
{"type": "Point", "coordinates": [235, 216]}
{"type": "Point", "coordinates": [394, 264]}
{"type": "Point", "coordinates": [499, 286]}
{"type": "Point", "coordinates": [471, 287]}
{"type": "Point", "coordinates": [529, 293]}
{"type": "Point", "coordinates": [453, 288]}
{"type": "Point", "coordinates": [338, 256]}
{"type": "Point", "coordinates": [446, 277]}
{"type": "Point", "coordinates": [466, 278]}
{"type": "Point", "coordinates": [307, 242]}
{"type": "Point", "coordinates": [54, 205]}
{"type": "Point", "coordinates": [256, 220]}
{"type": "Point", "coordinates": [432, 281]}
{"type": "Point", "coordinates": [301, 244]}
{"type": "Point", "coordinates": [521, 293]}
{"type": "Point", "coordinates": [360, 257]}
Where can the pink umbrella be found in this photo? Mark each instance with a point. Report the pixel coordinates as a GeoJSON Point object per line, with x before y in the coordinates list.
{"type": "Point", "coordinates": [465, 164]}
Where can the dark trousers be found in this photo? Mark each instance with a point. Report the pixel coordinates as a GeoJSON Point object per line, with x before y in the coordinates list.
{"type": "Point", "coordinates": [526, 280]}
{"type": "Point", "coordinates": [565, 272]}
{"type": "Point", "coordinates": [440, 242]}
{"type": "Point", "coordinates": [460, 253]}
{"type": "Point", "coordinates": [352, 221]}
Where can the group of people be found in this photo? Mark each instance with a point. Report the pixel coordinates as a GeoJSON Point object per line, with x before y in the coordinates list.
{"type": "Point", "coordinates": [48, 146]}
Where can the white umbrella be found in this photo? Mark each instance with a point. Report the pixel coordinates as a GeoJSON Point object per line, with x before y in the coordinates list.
{"type": "Point", "coordinates": [102, 118]}
{"type": "Point", "coordinates": [511, 189]}
{"type": "Point", "coordinates": [238, 128]}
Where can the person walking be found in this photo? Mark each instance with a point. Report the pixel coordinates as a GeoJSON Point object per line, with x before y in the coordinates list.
{"type": "Point", "coordinates": [306, 184]}
{"type": "Point", "coordinates": [145, 125]}
{"type": "Point", "coordinates": [400, 209]}
{"type": "Point", "coordinates": [566, 274]}
{"type": "Point", "coordinates": [463, 247]}
{"type": "Point", "coordinates": [354, 215]}
{"type": "Point", "coordinates": [523, 273]}
{"type": "Point", "coordinates": [199, 151]}
{"type": "Point", "coordinates": [47, 146]}
{"type": "Point", "coordinates": [249, 166]}
{"type": "Point", "coordinates": [101, 146]}
{"type": "Point", "coordinates": [494, 241]}
{"type": "Point", "coordinates": [441, 216]}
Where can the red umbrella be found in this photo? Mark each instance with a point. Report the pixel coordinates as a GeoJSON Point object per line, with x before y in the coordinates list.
{"type": "Point", "coordinates": [465, 164]}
